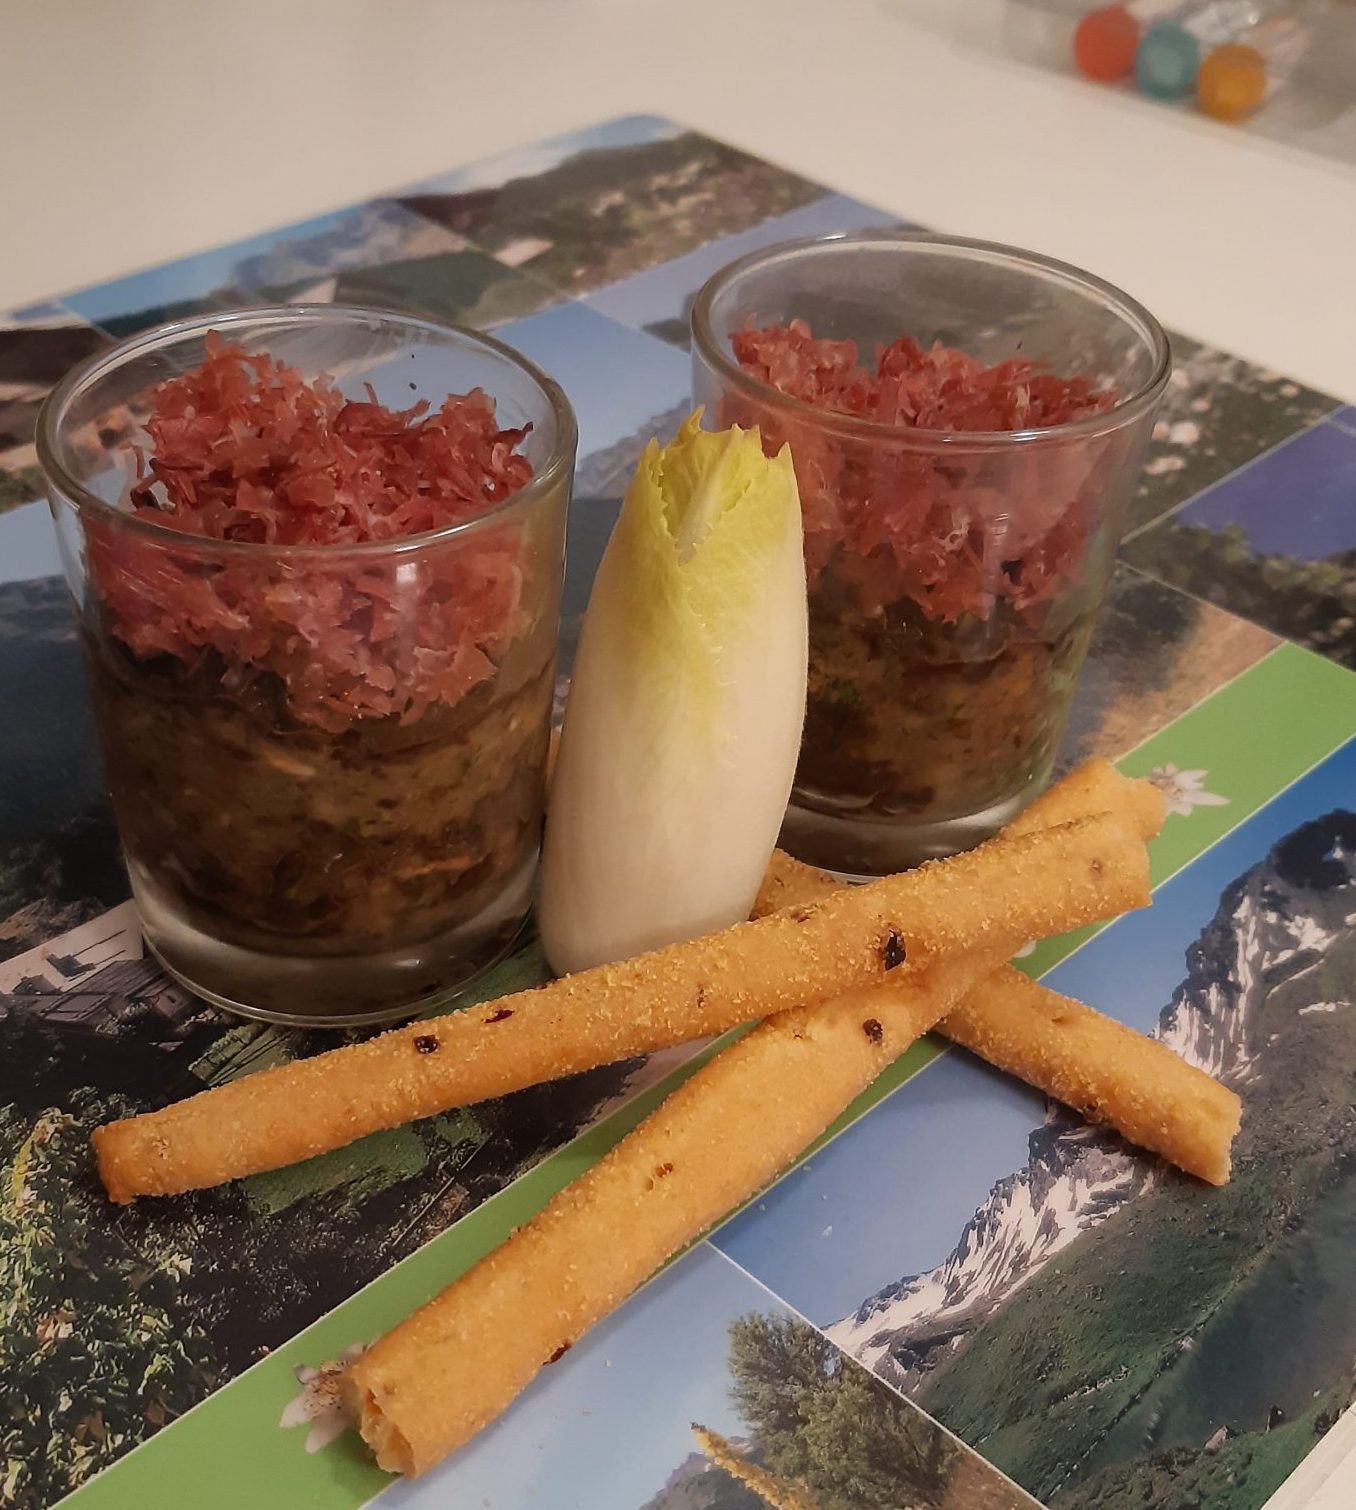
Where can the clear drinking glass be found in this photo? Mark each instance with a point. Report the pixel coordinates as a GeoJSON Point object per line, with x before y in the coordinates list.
{"type": "Point", "coordinates": [954, 576]}
{"type": "Point", "coordinates": [327, 763]}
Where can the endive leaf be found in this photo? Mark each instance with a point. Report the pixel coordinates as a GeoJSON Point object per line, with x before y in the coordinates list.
{"type": "Point", "coordinates": [684, 717]}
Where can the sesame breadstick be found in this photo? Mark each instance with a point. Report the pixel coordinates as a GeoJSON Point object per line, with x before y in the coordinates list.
{"type": "Point", "coordinates": [1078, 1056]}
{"type": "Point", "coordinates": [455, 1364]}
{"type": "Point", "coordinates": [993, 898]}
{"type": "Point", "coordinates": [1096, 786]}
{"type": "Point", "coordinates": [1101, 1068]}
{"type": "Point", "coordinates": [711, 1145]}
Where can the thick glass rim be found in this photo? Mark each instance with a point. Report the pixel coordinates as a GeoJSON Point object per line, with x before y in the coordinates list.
{"type": "Point", "coordinates": [545, 480]}
{"type": "Point", "coordinates": [1124, 411]}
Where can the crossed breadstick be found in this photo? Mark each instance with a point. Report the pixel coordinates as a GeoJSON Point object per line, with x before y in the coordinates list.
{"type": "Point", "coordinates": [994, 899]}
{"type": "Point", "coordinates": [744, 1116]}
{"type": "Point", "coordinates": [1088, 1061]}
{"type": "Point", "coordinates": [884, 962]}
{"type": "Point", "coordinates": [282, 1115]}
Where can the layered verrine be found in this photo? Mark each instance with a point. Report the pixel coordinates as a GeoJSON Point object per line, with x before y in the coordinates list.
{"type": "Point", "coordinates": [966, 423]}
{"type": "Point", "coordinates": [318, 585]}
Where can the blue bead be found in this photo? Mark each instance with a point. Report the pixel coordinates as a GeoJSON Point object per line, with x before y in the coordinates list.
{"type": "Point", "coordinates": [1166, 61]}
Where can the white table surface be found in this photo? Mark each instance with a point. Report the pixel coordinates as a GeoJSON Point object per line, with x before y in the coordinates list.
{"type": "Point", "coordinates": [135, 131]}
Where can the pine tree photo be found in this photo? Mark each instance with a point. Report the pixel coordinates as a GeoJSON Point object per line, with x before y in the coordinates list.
{"type": "Point", "coordinates": [81, 1374]}
{"type": "Point", "coordinates": [823, 1421]}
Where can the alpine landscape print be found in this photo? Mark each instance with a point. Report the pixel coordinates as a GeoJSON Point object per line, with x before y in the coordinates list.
{"type": "Point", "coordinates": [1105, 1330]}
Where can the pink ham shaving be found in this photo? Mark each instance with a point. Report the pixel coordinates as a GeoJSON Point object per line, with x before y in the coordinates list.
{"type": "Point", "coordinates": [957, 529]}
{"type": "Point", "coordinates": [244, 449]}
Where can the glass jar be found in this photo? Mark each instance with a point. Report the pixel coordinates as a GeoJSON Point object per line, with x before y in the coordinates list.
{"type": "Point", "coordinates": [954, 576]}
{"type": "Point", "coordinates": [327, 762]}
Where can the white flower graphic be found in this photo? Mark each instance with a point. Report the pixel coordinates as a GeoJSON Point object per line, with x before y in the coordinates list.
{"type": "Point", "coordinates": [317, 1402]}
{"type": "Point", "coordinates": [1184, 790]}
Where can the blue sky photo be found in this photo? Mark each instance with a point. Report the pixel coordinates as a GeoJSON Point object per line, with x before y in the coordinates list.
{"type": "Point", "coordinates": [660, 292]}
{"type": "Point", "coordinates": [359, 236]}
{"type": "Point", "coordinates": [190, 277]}
{"type": "Point", "coordinates": [243, 264]}
{"type": "Point", "coordinates": [28, 545]}
{"type": "Point", "coordinates": [889, 1197]}
{"type": "Point", "coordinates": [616, 378]}
{"type": "Point", "coordinates": [48, 313]}
{"type": "Point", "coordinates": [1297, 500]}
{"type": "Point", "coordinates": [607, 1425]}
{"type": "Point", "coordinates": [539, 157]}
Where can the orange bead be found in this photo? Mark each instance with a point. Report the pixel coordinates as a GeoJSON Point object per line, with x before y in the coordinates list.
{"type": "Point", "coordinates": [1104, 43]}
{"type": "Point", "coordinates": [1232, 82]}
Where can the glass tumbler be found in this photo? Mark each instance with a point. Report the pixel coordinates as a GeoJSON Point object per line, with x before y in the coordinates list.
{"type": "Point", "coordinates": [327, 762]}
{"type": "Point", "coordinates": [954, 576]}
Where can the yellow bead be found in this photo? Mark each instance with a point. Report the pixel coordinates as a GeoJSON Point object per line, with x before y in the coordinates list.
{"type": "Point", "coordinates": [1232, 82]}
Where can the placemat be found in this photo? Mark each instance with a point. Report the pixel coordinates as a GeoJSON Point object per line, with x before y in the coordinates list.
{"type": "Point", "coordinates": [963, 1298]}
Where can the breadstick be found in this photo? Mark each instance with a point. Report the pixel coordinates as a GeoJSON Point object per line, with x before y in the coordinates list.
{"type": "Point", "coordinates": [711, 1145]}
{"type": "Point", "coordinates": [1102, 1069]}
{"type": "Point", "coordinates": [995, 897]}
{"type": "Point", "coordinates": [455, 1364]}
{"type": "Point", "coordinates": [788, 882]}
{"type": "Point", "coordinates": [1096, 786]}
{"type": "Point", "coordinates": [1090, 1062]}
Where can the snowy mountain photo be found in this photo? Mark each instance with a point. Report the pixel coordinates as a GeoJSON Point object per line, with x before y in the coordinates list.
{"type": "Point", "coordinates": [1107, 1331]}
{"type": "Point", "coordinates": [1077, 1176]}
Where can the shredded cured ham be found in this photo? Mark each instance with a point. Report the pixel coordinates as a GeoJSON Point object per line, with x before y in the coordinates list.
{"type": "Point", "coordinates": [958, 529]}
{"type": "Point", "coordinates": [245, 450]}
{"type": "Point", "coordinates": [937, 389]}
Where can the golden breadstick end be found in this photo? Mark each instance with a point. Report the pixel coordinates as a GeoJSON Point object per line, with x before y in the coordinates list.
{"type": "Point", "coordinates": [1102, 1069]}
{"type": "Point", "coordinates": [1095, 786]}
{"type": "Point", "coordinates": [454, 1365]}
{"type": "Point", "coordinates": [788, 882]}
{"type": "Point", "coordinates": [1106, 1071]}
{"type": "Point", "coordinates": [995, 898]}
